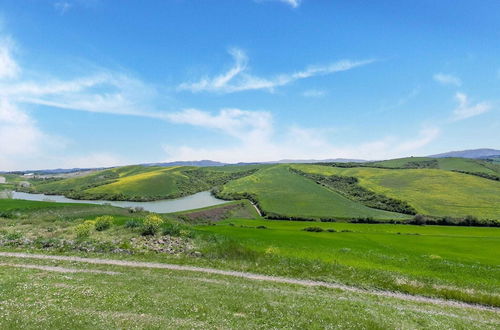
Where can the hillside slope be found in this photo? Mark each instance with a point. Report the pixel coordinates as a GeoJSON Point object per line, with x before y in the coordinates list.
{"type": "Point", "coordinates": [281, 192]}
{"type": "Point", "coordinates": [429, 191]}
{"type": "Point", "coordinates": [449, 164]}
{"type": "Point", "coordinates": [141, 183]}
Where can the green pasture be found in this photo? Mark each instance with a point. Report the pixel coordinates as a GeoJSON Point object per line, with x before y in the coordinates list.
{"type": "Point", "coordinates": [288, 194]}
{"type": "Point", "coordinates": [429, 191]}
{"type": "Point", "coordinates": [455, 262]}
{"type": "Point", "coordinates": [137, 298]}
{"type": "Point", "coordinates": [450, 164]}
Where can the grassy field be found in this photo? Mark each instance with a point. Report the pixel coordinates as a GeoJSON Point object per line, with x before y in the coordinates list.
{"type": "Point", "coordinates": [280, 191]}
{"type": "Point", "coordinates": [454, 262]}
{"type": "Point", "coordinates": [25, 208]}
{"type": "Point", "coordinates": [429, 191]}
{"type": "Point", "coordinates": [449, 164]}
{"type": "Point", "coordinates": [155, 299]}
{"type": "Point", "coordinates": [457, 263]}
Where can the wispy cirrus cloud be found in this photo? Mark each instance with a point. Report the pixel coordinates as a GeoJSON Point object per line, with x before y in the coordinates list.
{"type": "Point", "coordinates": [238, 79]}
{"type": "Point", "coordinates": [447, 79]}
{"type": "Point", "coordinates": [62, 7]}
{"type": "Point", "coordinates": [244, 125]}
{"type": "Point", "coordinates": [314, 93]}
{"type": "Point", "coordinates": [23, 144]}
{"type": "Point", "coordinates": [466, 110]}
{"type": "Point", "coordinates": [8, 66]}
{"type": "Point", "coordinates": [291, 3]}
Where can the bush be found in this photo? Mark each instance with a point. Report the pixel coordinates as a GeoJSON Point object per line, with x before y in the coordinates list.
{"type": "Point", "coordinates": [151, 224]}
{"type": "Point", "coordinates": [171, 229]}
{"type": "Point", "coordinates": [331, 230]}
{"type": "Point", "coordinates": [261, 227]}
{"type": "Point", "coordinates": [418, 220]}
{"type": "Point", "coordinates": [133, 223]}
{"type": "Point", "coordinates": [83, 230]}
{"type": "Point", "coordinates": [314, 229]}
{"type": "Point", "coordinates": [13, 236]}
{"type": "Point", "coordinates": [136, 209]}
{"type": "Point", "coordinates": [103, 222]}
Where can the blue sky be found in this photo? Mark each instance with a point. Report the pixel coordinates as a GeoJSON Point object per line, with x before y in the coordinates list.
{"type": "Point", "coordinates": [101, 83]}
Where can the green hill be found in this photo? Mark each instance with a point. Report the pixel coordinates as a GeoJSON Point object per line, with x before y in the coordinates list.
{"type": "Point", "coordinates": [282, 192]}
{"type": "Point", "coordinates": [141, 183]}
{"type": "Point", "coordinates": [429, 191]}
{"type": "Point", "coordinates": [433, 188]}
{"type": "Point", "coordinates": [449, 164]}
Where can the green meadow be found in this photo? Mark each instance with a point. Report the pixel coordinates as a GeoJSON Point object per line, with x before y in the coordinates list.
{"type": "Point", "coordinates": [136, 298]}
{"type": "Point", "coordinates": [457, 263]}
{"type": "Point", "coordinates": [288, 194]}
{"type": "Point", "coordinates": [454, 262]}
{"type": "Point", "coordinates": [450, 164]}
{"type": "Point", "coordinates": [429, 191]}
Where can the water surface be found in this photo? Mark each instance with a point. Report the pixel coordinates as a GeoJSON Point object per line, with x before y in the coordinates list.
{"type": "Point", "coordinates": [199, 200]}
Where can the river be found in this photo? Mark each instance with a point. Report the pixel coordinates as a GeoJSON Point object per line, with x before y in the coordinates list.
{"type": "Point", "coordinates": [198, 200]}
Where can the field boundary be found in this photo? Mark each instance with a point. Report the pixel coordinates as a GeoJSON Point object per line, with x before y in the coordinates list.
{"type": "Point", "coordinates": [252, 276]}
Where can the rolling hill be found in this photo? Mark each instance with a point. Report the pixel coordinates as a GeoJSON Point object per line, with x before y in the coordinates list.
{"type": "Point", "coordinates": [385, 190]}
{"type": "Point", "coordinates": [430, 191]}
{"type": "Point", "coordinates": [141, 183]}
{"type": "Point", "coordinates": [281, 192]}
{"type": "Point", "coordinates": [450, 164]}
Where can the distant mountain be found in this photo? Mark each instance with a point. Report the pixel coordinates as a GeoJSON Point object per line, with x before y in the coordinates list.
{"type": "Point", "coordinates": [335, 160]}
{"type": "Point", "coordinates": [204, 162]}
{"type": "Point", "coordinates": [283, 161]}
{"type": "Point", "coordinates": [472, 153]}
{"type": "Point", "coordinates": [56, 171]}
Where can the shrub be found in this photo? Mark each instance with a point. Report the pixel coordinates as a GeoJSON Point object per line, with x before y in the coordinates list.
{"type": "Point", "coordinates": [471, 221]}
{"type": "Point", "coordinates": [346, 231]}
{"type": "Point", "coordinates": [261, 227]}
{"type": "Point", "coordinates": [314, 229]}
{"type": "Point", "coordinates": [132, 223]}
{"type": "Point", "coordinates": [135, 209]}
{"type": "Point", "coordinates": [331, 230]}
{"type": "Point", "coordinates": [83, 230]}
{"type": "Point", "coordinates": [90, 223]}
{"type": "Point", "coordinates": [151, 224]}
{"type": "Point", "coordinates": [103, 222]}
{"type": "Point", "coordinates": [171, 229]}
{"type": "Point", "coordinates": [13, 236]}
{"type": "Point", "coordinates": [418, 220]}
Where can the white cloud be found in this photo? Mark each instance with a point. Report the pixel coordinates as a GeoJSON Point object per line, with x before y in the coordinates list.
{"type": "Point", "coordinates": [466, 110]}
{"type": "Point", "coordinates": [291, 3]}
{"type": "Point", "coordinates": [237, 78]}
{"type": "Point", "coordinates": [21, 141]}
{"type": "Point", "coordinates": [62, 7]}
{"type": "Point", "coordinates": [20, 137]}
{"type": "Point", "coordinates": [447, 79]}
{"type": "Point", "coordinates": [104, 92]}
{"type": "Point", "coordinates": [23, 144]}
{"type": "Point", "coordinates": [92, 160]}
{"type": "Point", "coordinates": [8, 66]}
{"type": "Point", "coordinates": [256, 140]}
{"type": "Point", "coordinates": [314, 93]}
{"type": "Point", "coordinates": [241, 124]}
